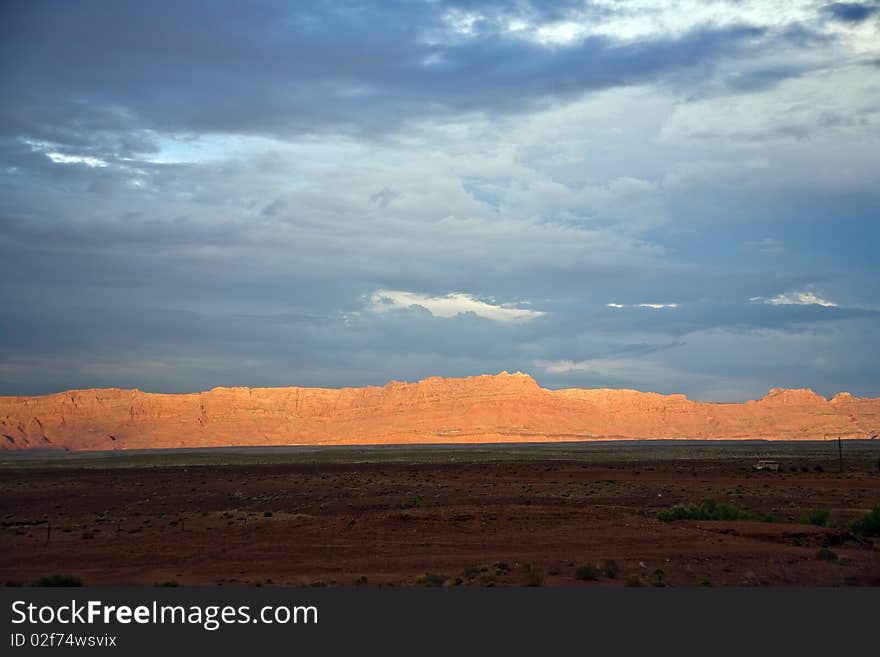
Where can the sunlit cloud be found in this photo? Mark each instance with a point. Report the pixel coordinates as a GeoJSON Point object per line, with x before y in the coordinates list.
{"type": "Point", "coordinates": [449, 305]}
{"type": "Point", "coordinates": [61, 158]}
{"type": "Point", "coordinates": [803, 298]}
{"type": "Point", "coordinates": [652, 306]}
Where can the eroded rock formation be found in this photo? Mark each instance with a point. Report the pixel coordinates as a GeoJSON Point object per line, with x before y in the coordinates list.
{"type": "Point", "coordinates": [502, 408]}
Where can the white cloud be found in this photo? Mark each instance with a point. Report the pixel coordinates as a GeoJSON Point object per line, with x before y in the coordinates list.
{"type": "Point", "coordinates": [634, 20]}
{"type": "Point", "coordinates": [803, 298]}
{"type": "Point", "coordinates": [448, 305]}
{"type": "Point", "coordinates": [61, 158]}
{"type": "Point", "coordinates": [638, 371]}
{"type": "Point", "coordinates": [653, 306]}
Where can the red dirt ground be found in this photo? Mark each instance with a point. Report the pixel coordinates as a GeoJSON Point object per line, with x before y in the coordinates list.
{"type": "Point", "coordinates": [490, 523]}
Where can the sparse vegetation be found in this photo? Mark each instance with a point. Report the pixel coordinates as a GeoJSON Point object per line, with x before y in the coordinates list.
{"type": "Point", "coordinates": [58, 580]}
{"type": "Point", "coordinates": [171, 583]}
{"type": "Point", "coordinates": [708, 509]}
{"type": "Point", "coordinates": [818, 468]}
{"type": "Point", "coordinates": [867, 525]}
{"type": "Point", "coordinates": [634, 580]}
{"type": "Point", "coordinates": [659, 578]}
{"type": "Point", "coordinates": [824, 554]}
{"type": "Point", "coordinates": [610, 569]}
{"type": "Point", "coordinates": [587, 572]}
{"type": "Point", "coordinates": [818, 517]}
{"type": "Point", "coordinates": [501, 568]}
{"type": "Point", "coordinates": [430, 580]}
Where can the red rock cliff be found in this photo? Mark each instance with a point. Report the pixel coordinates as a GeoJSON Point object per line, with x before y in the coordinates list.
{"type": "Point", "coordinates": [506, 407]}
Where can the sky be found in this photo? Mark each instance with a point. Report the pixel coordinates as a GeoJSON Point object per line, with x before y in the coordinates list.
{"type": "Point", "coordinates": [674, 196]}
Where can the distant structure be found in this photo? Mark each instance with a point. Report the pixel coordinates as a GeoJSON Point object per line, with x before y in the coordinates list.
{"type": "Point", "coordinates": [765, 464]}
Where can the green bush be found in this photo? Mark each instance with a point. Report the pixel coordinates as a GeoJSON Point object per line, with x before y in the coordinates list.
{"type": "Point", "coordinates": [659, 578]}
{"type": "Point", "coordinates": [868, 525]}
{"type": "Point", "coordinates": [58, 580]}
{"type": "Point", "coordinates": [708, 509]}
{"type": "Point", "coordinates": [587, 572]}
{"type": "Point", "coordinates": [824, 554]}
{"type": "Point", "coordinates": [501, 568]}
{"type": "Point", "coordinates": [431, 579]}
{"type": "Point", "coordinates": [610, 569]}
{"type": "Point", "coordinates": [818, 517]}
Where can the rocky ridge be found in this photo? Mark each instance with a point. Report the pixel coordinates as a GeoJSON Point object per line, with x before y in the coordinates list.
{"type": "Point", "coordinates": [500, 408]}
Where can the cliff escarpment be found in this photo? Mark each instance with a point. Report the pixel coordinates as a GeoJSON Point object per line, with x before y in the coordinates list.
{"type": "Point", "coordinates": [506, 407]}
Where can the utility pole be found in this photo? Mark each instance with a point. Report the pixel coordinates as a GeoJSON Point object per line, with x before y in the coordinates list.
{"type": "Point", "coordinates": [840, 452]}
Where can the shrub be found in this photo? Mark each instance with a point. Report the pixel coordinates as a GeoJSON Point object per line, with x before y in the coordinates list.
{"type": "Point", "coordinates": [704, 582]}
{"type": "Point", "coordinates": [431, 579]}
{"type": "Point", "coordinates": [610, 569]}
{"type": "Point", "coordinates": [587, 572]}
{"type": "Point", "coordinates": [501, 568]}
{"type": "Point", "coordinates": [58, 580]}
{"type": "Point", "coordinates": [708, 509]}
{"type": "Point", "coordinates": [267, 514]}
{"type": "Point", "coordinates": [634, 580]}
{"type": "Point", "coordinates": [868, 525]}
{"type": "Point", "coordinates": [818, 468]}
{"type": "Point", "coordinates": [168, 583]}
{"type": "Point", "coordinates": [659, 578]}
{"type": "Point", "coordinates": [818, 517]}
{"type": "Point", "coordinates": [824, 554]}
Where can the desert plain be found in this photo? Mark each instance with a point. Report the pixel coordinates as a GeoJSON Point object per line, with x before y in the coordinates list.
{"type": "Point", "coordinates": [562, 514]}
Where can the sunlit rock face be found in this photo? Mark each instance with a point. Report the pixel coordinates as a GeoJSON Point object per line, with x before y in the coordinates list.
{"type": "Point", "coordinates": [501, 408]}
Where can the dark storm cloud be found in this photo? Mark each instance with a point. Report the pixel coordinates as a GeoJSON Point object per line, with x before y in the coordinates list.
{"type": "Point", "coordinates": [852, 12]}
{"type": "Point", "coordinates": [200, 194]}
{"type": "Point", "coordinates": [93, 75]}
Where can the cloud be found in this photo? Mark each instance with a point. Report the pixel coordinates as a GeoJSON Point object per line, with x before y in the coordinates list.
{"type": "Point", "coordinates": [803, 298]}
{"type": "Point", "coordinates": [652, 306]}
{"type": "Point", "coordinates": [851, 12]}
{"type": "Point", "coordinates": [383, 197]}
{"type": "Point", "coordinates": [269, 173]}
{"type": "Point", "coordinates": [61, 158]}
{"type": "Point", "coordinates": [449, 305]}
